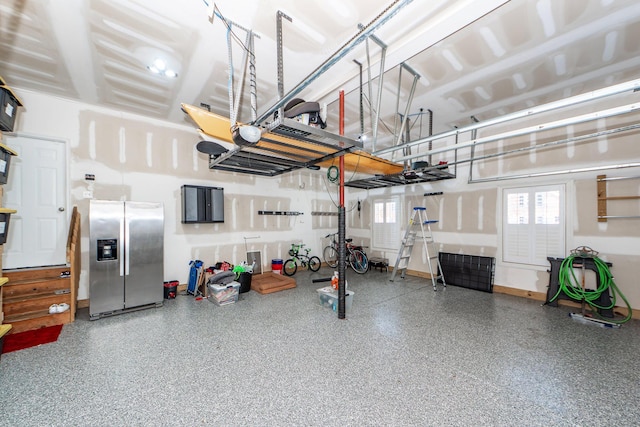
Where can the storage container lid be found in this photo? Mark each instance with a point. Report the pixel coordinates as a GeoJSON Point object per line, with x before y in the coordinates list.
{"type": "Point", "coordinates": [223, 287]}
{"type": "Point", "coordinates": [8, 89]}
{"type": "Point", "coordinates": [7, 149]}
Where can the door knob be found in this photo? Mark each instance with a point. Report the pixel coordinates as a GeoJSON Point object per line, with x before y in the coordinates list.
{"type": "Point", "coordinates": [61, 209]}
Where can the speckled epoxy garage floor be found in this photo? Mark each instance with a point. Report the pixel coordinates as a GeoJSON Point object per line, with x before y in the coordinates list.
{"type": "Point", "coordinates": [405, 355]}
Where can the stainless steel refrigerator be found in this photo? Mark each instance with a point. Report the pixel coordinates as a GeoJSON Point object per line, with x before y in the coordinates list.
{"type": "Point", "coordinates": [126, 256]}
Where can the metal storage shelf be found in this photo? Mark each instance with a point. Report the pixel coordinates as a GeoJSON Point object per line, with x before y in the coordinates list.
{"type": "Point", "coordinates": [417, 176]}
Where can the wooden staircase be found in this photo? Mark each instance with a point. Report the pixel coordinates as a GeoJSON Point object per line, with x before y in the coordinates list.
{"type": "Point", "coordinates": [30, 292]}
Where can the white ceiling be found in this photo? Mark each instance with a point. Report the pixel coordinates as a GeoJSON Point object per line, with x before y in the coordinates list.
{"type": "Point", "coordinates": [482, 59]}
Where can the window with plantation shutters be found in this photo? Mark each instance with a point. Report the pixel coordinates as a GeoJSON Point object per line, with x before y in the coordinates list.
{"type": "Point", "coordinates": [533, 224]}
{"type": "Point", "coordinates": [386, 228]}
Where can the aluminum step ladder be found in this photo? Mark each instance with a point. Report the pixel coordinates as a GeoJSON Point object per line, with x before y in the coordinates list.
{"type": "Point", "coordinates": [419, 228]}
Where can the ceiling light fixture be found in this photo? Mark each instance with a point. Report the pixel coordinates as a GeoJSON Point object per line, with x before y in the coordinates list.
{"type": "Point", "coordinates": [159, 67]}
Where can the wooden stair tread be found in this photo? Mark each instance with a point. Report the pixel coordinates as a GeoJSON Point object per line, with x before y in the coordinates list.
{"type": "Point", "coordinates": [34, 280]}
{"type": "Point", "coordinates": [34, 273]}
{"type": "Point", "coordinates": [8, 299]}
{"type": "Point", "coordinates": [33, 315]}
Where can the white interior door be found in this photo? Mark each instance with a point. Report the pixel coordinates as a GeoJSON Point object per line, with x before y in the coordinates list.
{"type": "Point", "coordinates": [36, 188]}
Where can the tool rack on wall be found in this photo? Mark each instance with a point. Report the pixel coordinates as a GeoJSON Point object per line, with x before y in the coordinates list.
{"type": "Point", "coordinates": [603, 198]}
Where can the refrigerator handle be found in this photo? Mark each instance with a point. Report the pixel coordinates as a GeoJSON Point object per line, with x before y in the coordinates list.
{"type": "Point", "coordinates": [127, 224]}
{"type": "Point", "coordinates": [121, 244]}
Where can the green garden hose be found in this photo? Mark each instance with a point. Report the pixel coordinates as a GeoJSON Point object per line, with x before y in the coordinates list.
{"type": "Point", "coordinates": [333, 173]}
{"type": "Point", "coordinates": [570, 285]}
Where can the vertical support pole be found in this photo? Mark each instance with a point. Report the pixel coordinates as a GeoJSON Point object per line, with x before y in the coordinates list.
{"type": "Point", "coordinates": [252, 79]}
{"type": "Point", "coordinates": [407, 138]}
{"type": "Point", "coordinates": [430, 134]}
{"type": "Point", "coordinates": [342, 265]}
{"type": "Point", "coordinates": [474, 135]}
{"type": "Point", "coordinates": [361, 96]}
{"type": "Point", "coordinates": [279, 17]}
{"type": "Point", "coordinates": [405, 117]}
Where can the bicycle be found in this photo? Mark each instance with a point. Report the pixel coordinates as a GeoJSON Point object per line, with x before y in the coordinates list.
{"type": "Point", "coordinates": [356, 258]}
{"type": "Point", "coordinates": [291, 265]}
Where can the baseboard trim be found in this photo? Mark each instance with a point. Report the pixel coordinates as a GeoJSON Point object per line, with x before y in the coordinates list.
{"type": "Point", "coordinates": [537, 296]}
{"type": "Point", "coordinates": [522, 293]}
{"type": "Point", "coordinates": [84, 303]}
{"type": "Point", "coordinates": [542, 296]}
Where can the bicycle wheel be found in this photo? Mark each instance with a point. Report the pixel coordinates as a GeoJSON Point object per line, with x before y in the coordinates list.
{"type": "Point", "coordinates": [290, 267]}
{"type": "Point", "coordinates": [314, 263]}
{"type": "Point", "coordinates": [358, 261]}
{"type": "Point", "coordinates": [330, 255]}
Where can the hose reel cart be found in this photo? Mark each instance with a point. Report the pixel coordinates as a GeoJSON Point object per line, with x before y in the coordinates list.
{"type": "Point", "coordinates": [564, 284]}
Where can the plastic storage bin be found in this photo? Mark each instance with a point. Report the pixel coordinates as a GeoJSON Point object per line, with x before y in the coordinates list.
{"type": "Point", "coordinates": [171, 289]}
{"type": "Point", "coordinates": [5, 216]}
{"type": "Point", "coordinates": [328, 297]}
{"type": "Point", "coordinates": [276, 266]}
{"type": "Point", "coordinates": [245, 282]}
{"type": "Point", "coordinates": [9, 104]}
{"type": "Point", "coordinates": [5, 161]}
{"type": "Point", "coordinates": [224, 294]}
